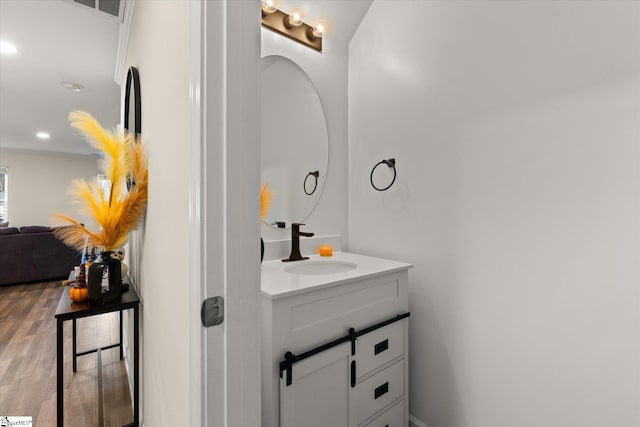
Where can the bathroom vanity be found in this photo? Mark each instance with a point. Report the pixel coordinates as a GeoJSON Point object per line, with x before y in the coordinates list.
{"type": "Point", "coordinates": [334, 342]}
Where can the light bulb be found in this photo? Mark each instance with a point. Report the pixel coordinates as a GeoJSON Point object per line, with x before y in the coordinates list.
{"type": "Point", "coordinates": [270, 6]}
{"type": "Point", "coordinates": [319, 28]}
{"type": "Point", "coordinates": [296, 17]}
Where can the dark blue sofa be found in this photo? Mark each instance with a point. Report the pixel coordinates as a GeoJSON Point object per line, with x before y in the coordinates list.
{"type": "Point", "coordinates": [33, 254]}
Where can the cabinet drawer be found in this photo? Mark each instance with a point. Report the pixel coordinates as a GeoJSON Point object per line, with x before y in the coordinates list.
{"type": "Point", "coordinates": [379, 347]}
{"type": "Point", "coordinates": [378, 391]}
{"type": "Point", "coordinates": [392, 417]}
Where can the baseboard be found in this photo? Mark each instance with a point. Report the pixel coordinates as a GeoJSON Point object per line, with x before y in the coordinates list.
{"type": "Point", "coordinates": [414, 422]}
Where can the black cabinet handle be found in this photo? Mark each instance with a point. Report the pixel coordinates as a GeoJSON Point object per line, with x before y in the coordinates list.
{"type": "Point", "coordinates": [353, 373]}
{"type": "Point", "coordinates": [381, 390]}
{"type": "Point", "coordinates": [380, 347]}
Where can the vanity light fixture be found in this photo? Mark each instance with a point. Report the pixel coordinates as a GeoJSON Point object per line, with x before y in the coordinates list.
{"type": "Point", "coordinates": [292, 25]}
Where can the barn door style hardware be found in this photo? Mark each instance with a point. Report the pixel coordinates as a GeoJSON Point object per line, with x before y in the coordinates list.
{"type": "Point", "coordinates": [290, 359]}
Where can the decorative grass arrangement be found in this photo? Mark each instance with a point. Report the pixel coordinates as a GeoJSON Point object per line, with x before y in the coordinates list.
{"type": "Point", "coordinates": [119, 211]}
{"type": "Point", "coordinates": [265, 200]}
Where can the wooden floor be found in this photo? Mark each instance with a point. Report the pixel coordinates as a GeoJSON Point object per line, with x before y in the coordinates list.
{"type": "Point", "coordinates": [28, 361]}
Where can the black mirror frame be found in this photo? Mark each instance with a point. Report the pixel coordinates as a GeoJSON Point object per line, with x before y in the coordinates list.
{"type": "Point", "coordinates": [133, 77]}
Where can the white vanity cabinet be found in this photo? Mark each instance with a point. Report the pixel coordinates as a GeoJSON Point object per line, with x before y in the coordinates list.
{"type": "Point", "coordinates": [357, 382]}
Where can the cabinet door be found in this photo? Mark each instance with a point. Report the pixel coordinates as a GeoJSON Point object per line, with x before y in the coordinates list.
{"type": "Point", "coordinates": [319, 393]}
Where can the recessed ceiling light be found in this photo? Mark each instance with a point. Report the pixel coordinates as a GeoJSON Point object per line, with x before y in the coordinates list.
{"type": "Point", "coordinates": [8, 48]}
{"type": "Point", "coordinates": [74, 87]}
{"type": "Point", "coordinates": [43, 135]}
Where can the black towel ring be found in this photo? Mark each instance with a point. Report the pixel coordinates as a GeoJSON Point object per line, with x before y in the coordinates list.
{"type": "Point", "coordinates": [315, 174]}
{"type": "Point", "coordinates": [392, 164]}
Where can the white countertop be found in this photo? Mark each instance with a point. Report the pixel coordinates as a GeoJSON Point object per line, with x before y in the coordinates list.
{"type": "Point", "coordinates": [277, 283]}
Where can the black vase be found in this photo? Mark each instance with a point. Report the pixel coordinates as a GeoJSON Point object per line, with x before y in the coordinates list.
{"type": "Point", "coordinates": [104, 281]}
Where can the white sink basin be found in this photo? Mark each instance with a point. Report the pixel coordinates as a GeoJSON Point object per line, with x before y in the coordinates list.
{"type": "Point", "coordinates": [284, 279]}
{"type": "Point", "coordinates": [319, 267]}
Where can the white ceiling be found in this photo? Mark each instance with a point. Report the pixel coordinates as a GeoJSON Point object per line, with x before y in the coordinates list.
{"type": "Point", "coordinates": [57, 41]}
{"type": "Point", "coordinates": [60, 41]}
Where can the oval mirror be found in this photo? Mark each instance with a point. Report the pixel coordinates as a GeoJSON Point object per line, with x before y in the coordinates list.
{"type": "Point", "coordinates": [295, 141]}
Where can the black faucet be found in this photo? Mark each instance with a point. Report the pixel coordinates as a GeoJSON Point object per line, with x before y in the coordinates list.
{"type": "Point", "coordinates": [295, 243]}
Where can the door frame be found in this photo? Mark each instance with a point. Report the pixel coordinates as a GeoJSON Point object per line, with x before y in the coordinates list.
{"type": "Point", "coordinates": [224, 211]}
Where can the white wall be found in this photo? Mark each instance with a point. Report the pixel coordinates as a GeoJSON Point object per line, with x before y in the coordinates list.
{"type": "Point", "coordinates": [39, 182]}
{"type": "Point", "coordinates": [515, 126]}
{"type": "Point", "coordinates": [159, 48]}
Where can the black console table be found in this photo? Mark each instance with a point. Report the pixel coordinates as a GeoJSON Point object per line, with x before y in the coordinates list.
{"type": "Point", "coordinates": [69, 310]}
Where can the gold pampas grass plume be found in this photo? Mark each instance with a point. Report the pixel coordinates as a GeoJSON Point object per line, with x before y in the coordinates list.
{"type": "Point", "coordinates": [265, 200]}
{"type": "Point", "coordinates": [117, 211]}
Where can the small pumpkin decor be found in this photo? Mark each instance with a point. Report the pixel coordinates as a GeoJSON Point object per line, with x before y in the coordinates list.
{"type": "Point", "coordinates": [78, 292]}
